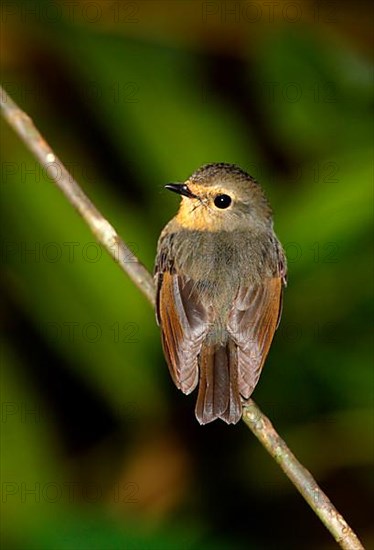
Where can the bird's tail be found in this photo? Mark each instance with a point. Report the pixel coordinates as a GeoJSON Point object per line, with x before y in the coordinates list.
{"type": "Point", "coordinates": [218, 395]}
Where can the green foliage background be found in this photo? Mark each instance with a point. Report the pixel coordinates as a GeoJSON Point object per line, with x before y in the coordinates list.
{"type": "Point", "coordinates": [99, 450]}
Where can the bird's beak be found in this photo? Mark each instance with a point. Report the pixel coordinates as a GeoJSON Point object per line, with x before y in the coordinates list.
{"type": "Point", "coordinates": [181, 189]}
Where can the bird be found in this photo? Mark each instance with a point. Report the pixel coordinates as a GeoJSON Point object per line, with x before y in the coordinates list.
{"type": "Point", "coordinates": [220, 272]}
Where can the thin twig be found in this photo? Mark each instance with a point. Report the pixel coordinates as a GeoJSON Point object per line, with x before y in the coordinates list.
{"type": "Point", "coordinates": [263, 429]}
{"type": "Point", "coordinates": [108, 237]}
{"type": "Point", "coordinates": [100, 227]}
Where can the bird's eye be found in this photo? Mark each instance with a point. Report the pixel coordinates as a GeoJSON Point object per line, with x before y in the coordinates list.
{"type": "Point", "coordinates": [222, 201]}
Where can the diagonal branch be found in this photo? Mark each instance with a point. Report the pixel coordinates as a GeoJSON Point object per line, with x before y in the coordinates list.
{"type": "Point", "coordinates": [300, 477]}
{"type": "Point", "coordinates": [100, 227]}
{"type": "Point", "coordinates": [128, 262]}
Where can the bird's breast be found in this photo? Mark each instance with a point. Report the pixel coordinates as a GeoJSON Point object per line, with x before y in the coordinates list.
{"type": "Point", "coordinates": [219, 262]}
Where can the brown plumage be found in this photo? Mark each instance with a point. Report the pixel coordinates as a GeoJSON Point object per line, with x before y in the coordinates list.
{"type": "Point", "coordinates": [220, 271]}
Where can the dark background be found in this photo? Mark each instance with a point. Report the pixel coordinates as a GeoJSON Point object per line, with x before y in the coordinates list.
{"type": "Point", "coordinates": [99, 449]}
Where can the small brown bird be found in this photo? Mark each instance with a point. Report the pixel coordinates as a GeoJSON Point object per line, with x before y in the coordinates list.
{"type": "Point", "coordinates": [220, 272]}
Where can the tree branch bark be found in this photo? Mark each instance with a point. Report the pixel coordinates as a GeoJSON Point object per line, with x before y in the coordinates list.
{"type": "Point", "coordinates": [106, 235]}
{"type": "Point", "coordinates": [100, 227]}
{"type": "Point", "coordinates": [304, 482]}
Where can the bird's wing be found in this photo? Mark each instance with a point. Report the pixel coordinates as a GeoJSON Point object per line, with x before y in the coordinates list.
{"type": "Point", "coordinates": [184, 323]}
{"type": "Point", "coordinates": [253, 319]}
